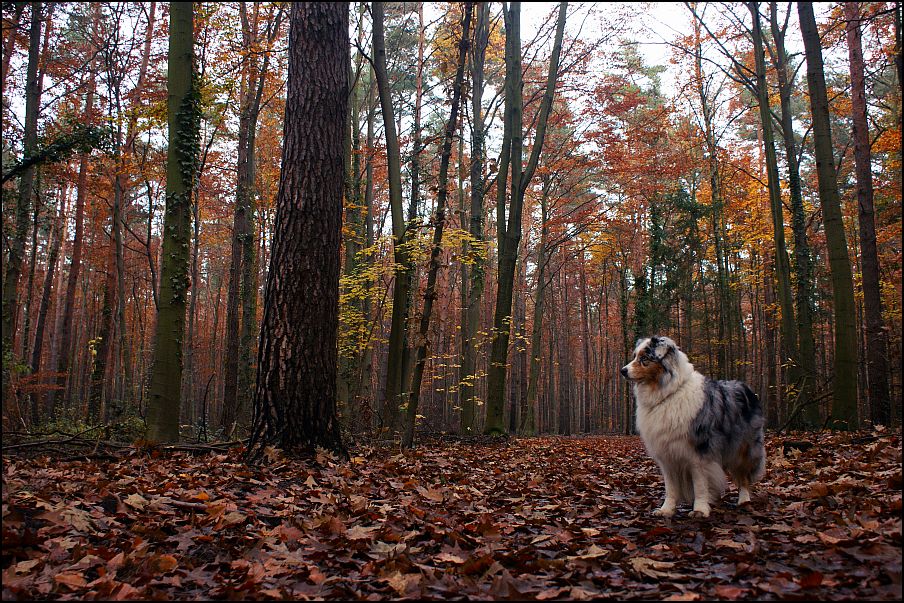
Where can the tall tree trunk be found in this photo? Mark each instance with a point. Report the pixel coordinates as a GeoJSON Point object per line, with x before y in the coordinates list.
{"type": "Point", "coordinates": [394, 365]}
{"type": "Point", "coordinates": [349, 384]}
{"type": "Point", "coordinates": [243, 286]}
{"type": "Point", "coordinates": [295, 396]}
{"type": "Point", "coordinates": [100, 351]}
{"type": "Point", "coordinates": [876, 345]}
{"type": "Point", "coordinates": [803, 263]}
{"type": "Point", "coordinates": [64, 346]}
{"type": "Point", "coordinates": [844, 403]}
{"type": "Point", "coordinates": [32, 262]}
{"type": "Point", "coordinates": [164, 402]}
{"type": "Point", "coordinates": [510, 236]}
{"type": "Point", "coordinates": [586, 387]}
{"type": "Point", "coordinates": [528, 419]}
{"type": "Point", "coordinates": [439, 221]}
{"type": "Point", "coordinates": [9, 45]}
{"type": "Point", "coordinates": [476, 245]}
{"type": "Point", "coordinates": [56, 238]}
{"type": "Point", "coordinates": [788, 330]}
{"type": "Point", "coordinates": [23, 200]}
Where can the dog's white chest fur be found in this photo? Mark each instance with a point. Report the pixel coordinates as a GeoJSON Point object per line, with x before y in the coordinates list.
{"type": "Point", "coordinates": [664, 418]}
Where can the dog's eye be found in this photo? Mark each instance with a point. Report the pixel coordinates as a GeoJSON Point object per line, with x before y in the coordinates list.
{"type": "Point", "coordinates": [643, 360]}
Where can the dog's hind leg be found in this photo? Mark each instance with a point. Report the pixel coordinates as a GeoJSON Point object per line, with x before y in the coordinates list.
{"type": "Point", "coordinates": [749, 470]}
{"type": "Point", "coordinates": [743, 491]}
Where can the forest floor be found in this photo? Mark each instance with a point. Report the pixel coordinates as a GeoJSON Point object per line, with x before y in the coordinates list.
{"type": "Point", "coordinates": [539, 518]}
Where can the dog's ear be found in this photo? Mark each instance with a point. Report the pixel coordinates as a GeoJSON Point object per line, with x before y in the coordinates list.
{"type": "Point", "coordinates": [662, 347]}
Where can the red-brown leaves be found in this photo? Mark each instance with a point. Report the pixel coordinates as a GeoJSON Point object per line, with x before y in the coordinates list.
{"type": "Point", "coordinates": [544, 518]}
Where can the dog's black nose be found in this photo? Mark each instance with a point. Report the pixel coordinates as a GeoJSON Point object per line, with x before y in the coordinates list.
{"type": "Point", "coordinates": [624, 371]}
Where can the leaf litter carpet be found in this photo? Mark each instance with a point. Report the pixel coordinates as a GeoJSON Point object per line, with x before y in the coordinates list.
{"type": "Point", "coordinates": [536, 518]}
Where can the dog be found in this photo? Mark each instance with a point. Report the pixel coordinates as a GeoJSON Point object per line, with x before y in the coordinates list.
{"type": "Point", "coordinates": [696, 429]}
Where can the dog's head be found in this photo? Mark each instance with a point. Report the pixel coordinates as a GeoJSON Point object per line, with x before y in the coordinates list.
{"type": "Point", "coordinates": [655, 362]}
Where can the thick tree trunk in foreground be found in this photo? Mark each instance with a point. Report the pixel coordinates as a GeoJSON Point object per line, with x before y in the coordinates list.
{"type": "Point", "coordinates": [844, 403]}
{"type": "Point", "coordinates": [182, 156]}
{"type": "Point", "coordinates": [876, 345]}
{"type": "Point", "coordinates": [295, 396]}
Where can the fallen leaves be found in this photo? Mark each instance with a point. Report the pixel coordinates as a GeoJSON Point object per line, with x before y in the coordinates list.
{"type": "Point", "coordinates": [542, 518]}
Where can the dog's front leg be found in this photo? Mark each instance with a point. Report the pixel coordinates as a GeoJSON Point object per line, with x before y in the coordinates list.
{"type": "Point", "coordinates": [671, 495]}
{"type": "Point", "coordinates": [702, 492]}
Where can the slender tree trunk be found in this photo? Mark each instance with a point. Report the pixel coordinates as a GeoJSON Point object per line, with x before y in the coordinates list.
{"type": "Point", "coordinates": [349, 384]}
{"type": "Point", "coordinates": [164, 402]}
{"type": "Point", "coordinates": [790, 353]}
{"type": "Point", "coordinates": [510, 237]}
{"type": "Point", "coordinates": [23, 200]}
{"type": "Point", "coordinates": [844, 403]}
{"type": "Point", "coordinates": [528, 419]}
{"type": "Point", "coordinates": [395, 365]}
{"type": "Point", "coordinates": [9, 44]}
{"type": "Point", "coordinates": [56, 238]}
{"type": "Point", "coordinates": [32, 259]}
{"type": "Point", "coordinates": [476, 247]}
{"type": "Point", "coordinates": [295, 396]}
{"type": "Point", "coordinates": [876, 344]}
{"type": "Point", "coordinates": [803, 263]}
{"type": "Point", "coordinates": [439, 221]}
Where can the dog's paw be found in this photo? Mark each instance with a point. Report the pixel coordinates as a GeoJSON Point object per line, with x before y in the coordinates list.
{"type": "Point", "coordinates": [664, 512]}
{"type": "Point", "coordinates": [700, 511]}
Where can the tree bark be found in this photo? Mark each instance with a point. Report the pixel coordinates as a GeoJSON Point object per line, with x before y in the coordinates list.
{"type": "Point", "coordinates": [877, 370]}
{"type": "Point", "coordinates": [401, 287]}
{"type": "Point", "coordinates": [295, 396]}
{"type": "Point", "coordinates": [23, 200]}
{"type": "Point", "coordinates": [511, 235]}
{"type": "Point", "coordinates": [844, 403]}
{"type": "Point", "coordinates": [439, 221]}
{"type": "Point", "coordinates": [790, 352]}
{"type": "Point", "coordinates": [528, 418]}
{"type": "Point", "coordinates": [164, 402]}
{"type": "Point", "coordinates": [803, 262]}
{"type": "Point", "coordinates": [243, 287]}
{"type": "Point", "coordinates": [476, 246]}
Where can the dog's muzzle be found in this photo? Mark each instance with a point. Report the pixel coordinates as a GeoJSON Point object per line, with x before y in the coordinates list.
{"type": "Point", "coordinates": [624, 371]}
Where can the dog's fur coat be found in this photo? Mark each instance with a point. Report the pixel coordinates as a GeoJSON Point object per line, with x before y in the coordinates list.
{"type": "Point", "coordinates": [695, 429]}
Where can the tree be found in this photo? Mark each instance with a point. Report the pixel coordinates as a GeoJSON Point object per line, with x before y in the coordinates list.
{"type": "Point", "coordinates": [844, 402]}
{"type": "Point", "coordinates": [295, 396]}
{"type": "Point", "coordinates": [183, 110]}
{"type": "Point", "coordinates": [510, 233]}
{"type": "Point", "coordinates": [476, 245]}
{"type": "Point", "coordinates": [876, 344]}
{"type": "Point", "coordinates": [243, 287]}
{"type": "Point", "coordinates": [402, 284]}
{"type": "Point", "coordinates": [23, 199]}
{"type": "Point", "coordinates": [439, 221]}
{"type": "Point", "coordinates": [790, 349]}
{"type": "Point", "coordinates": [803, 262]}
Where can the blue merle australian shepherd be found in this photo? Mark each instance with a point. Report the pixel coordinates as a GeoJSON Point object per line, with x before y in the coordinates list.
{"type": "Point", "coordinates": [695, 429]}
